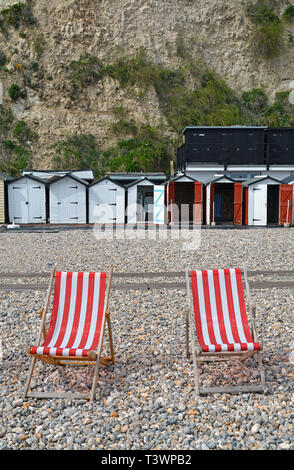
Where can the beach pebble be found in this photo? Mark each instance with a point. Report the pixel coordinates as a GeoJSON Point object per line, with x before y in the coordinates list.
{"type": "Point", "coordinates": [147, 400]}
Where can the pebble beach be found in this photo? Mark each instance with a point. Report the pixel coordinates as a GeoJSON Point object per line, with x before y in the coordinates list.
{"type": "Point", "coordinates": [147, 399]}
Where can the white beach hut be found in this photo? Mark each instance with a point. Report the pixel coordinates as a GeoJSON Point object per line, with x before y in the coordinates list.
{"type": "Point", "coordinates": [106, 202]}
{"type": "Point", "coordinates": [262, 201]}
{"type": "Point", "coordinates": [145, 202]}
{"type": "Point", "coordinates": [68, 200]}
{"type": "Point", "coordinates": [27, 200]}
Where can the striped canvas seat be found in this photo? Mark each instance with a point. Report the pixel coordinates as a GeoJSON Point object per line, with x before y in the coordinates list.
{"type": "Point", "coordinates": [220, 311]}
{"type": "Point", "coordinates": [77, 317]}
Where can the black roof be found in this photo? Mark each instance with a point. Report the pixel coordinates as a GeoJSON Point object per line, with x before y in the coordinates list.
{"type": "Point", "coordinates": [69, 175]}
{"type": "Point", "coordinates": [138, 181]}
{"type": "Point", "coordinates": [216, 178]}
{"type": "Point", "coordinates": [279, 129]}
{"type": "Point", "coordinates": [287, 180]}
{"type": "Point", "coordinates": [182, 175]}
{"type": "Point", "coordinates": [5, 177]}
{"type": "Point", "coordinates": [106, 178]}
{"type": "Point", "coordinates": [31, 177]}
{"type": "Point", "coordinates": [257, 179]}
{"type": "Point", "coordinates": [223, 127]}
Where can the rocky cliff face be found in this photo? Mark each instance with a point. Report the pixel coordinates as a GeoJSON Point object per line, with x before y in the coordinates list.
{"type": "Point", "coordinates": [216, 31]}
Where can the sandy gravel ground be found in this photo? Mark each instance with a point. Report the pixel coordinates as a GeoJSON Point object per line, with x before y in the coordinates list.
{"type": "Point", "coordinates": [147, 399]}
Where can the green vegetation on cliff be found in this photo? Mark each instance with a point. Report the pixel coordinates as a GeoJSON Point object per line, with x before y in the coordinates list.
{"type": "Point", "coordinates": [15, 143]}
{"type": "Point", "coordinates": [17, 15]}
{"type": "Point", "coordinates": [268, 38]}
{"type": "Point", "coordinates": [189, 95]}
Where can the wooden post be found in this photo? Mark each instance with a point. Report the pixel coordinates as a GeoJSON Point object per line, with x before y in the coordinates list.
{"type": "Point", "coordinates": [198, 203]}
{"type": "Point", "coordinates": [211, 208]}
{"type": "Point", "coordinates": [238, 203]}
{"type": "Point", "coordinates": [171, 200]}
{"type": "Point", "coordinates": [172, 167]}
{"type": "Point", "coordinates": [286, 204]}
{"type": "Point", "coordinates": [213, 221]}
{"type": "Point", "coordinates": [287, 223]}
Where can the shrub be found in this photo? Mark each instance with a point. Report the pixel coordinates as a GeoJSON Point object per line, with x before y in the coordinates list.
{"type": "Point", "coordinates": [16, 158]}
{"type": "Point", "coordinates": [23, 133]}
{"type": "Point", "coordinates": [268, 28]}
{"type": "Point", "coordinates": [119, 112]}
{"type": "Point", "coordinates": [280, 113]}
{"type": "Point", "coordinates": [288, 14]}
{"type": "Point", "coordinates": [78, 151]}
{"type": "Point", "coordinates": [2, 58]}
{"type": "Point", "coordinates": [147, 150]}
{"type": "Point", "coordinates": [15, 92]}
{"type": "Point", "coordinates": [180, 105]}
{"type": "Point", "coordinates": [85, 71]}
{"type": "Point", "coordinates": [129, 70]}
{"type": "Point", "coordinates": [38, 44]}
{"type": "Point", "coordinates": [34, 66]}
{"type": "Point", "coordinates": [137, 154]}
{"type": "Point", "coordinates": [15, 152]}
{"type": "Point", "coordinates": [255, 100]}
{"type": "Point", "coordinates": [18, 14]}
{"type": "Point", "coordinates": [123, 127]}
{"type": "Point", "coordinates": [140, 71]}
{"type": "Point", "coordinates": [181, 50]}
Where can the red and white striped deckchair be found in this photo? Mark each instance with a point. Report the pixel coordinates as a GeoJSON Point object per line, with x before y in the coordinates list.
{"type": "Point", "coordinates": [76, 329]}
{"type": "Point", "coordinates": [219, 323]}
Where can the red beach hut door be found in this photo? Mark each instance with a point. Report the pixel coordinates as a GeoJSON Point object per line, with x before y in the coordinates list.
{"type": "Point", "coordinates": [238, 201]}
{"type": "Point", "coordinates": [286, 203]}
{"type": "Point", "coordinates": [198, 203]}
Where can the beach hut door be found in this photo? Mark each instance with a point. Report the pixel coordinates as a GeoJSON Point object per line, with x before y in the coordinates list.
{"type": "Point", "coordinates": [110, 205]}
{"type": "Point", "coordinates": [20, 202]}
{"type": "Point", "coordinates": [35, 198]}
{"type": "Point", "coordinates": [159, 208]}
{"type": "Point", "coordinates": [260, 205]}
{"type": "Point", "coordinates": [70, 207]}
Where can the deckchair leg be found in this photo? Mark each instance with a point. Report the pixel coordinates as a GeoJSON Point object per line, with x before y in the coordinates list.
{"type": "Point", "coordinates": [261, 370]}
{"type": "Point", "coordinates": [188, 314]}
{"type": "Point", "coordinates": [27, 387]}
{"type": "Point", "coordinates": [98, 361]}
{"type": "Point", "coordinates": [187, 337]}
{"type": "Point", "coordinates": [110, 337]}
{"type": "Point", "coordinates": [195, 363]}
{"type": "Point", "coordinates": [192, 337]}
{"type": "Point", "coordinates": [94, 383]}
{"type": "Point", "coordinates": [196, 376]}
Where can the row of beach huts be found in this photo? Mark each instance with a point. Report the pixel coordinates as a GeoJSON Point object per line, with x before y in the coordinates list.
{"type": "Point", "coordinates": [73, 197]}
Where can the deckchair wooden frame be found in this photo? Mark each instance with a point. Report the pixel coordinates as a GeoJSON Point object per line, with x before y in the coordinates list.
{"type": "Point", "coordinates": [199, 356]}
{"type": "Point", "coordinates": [93, 357]}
